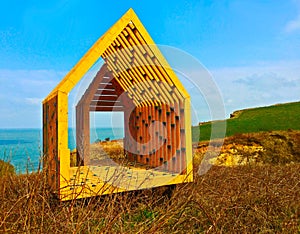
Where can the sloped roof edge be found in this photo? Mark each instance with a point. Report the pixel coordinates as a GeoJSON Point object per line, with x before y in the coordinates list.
{"type": "Point", "coordinates": [96, 51]}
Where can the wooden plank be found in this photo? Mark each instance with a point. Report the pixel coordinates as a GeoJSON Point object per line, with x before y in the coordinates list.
{"type": "Point", "coordinates": [105, 98]}
{"type": "Point", "coordinates": [107, 103]}
{"type": "Point", "coordinates": [177, 133]}
{"type": "Point", "coordinates": [105, 85]}
{"type": "Point", "coordinates": [188, 139]}
{"type": "Point", "coordinates": [105, 108]}
{"type": "Point", "coordinates": [105, 92]}
{"type": "Point", "coordinates": [138, 116]}
{"type": "Point", "coordinates": [173, 141]}
{"type": "Point", "coordinates": [182, 138]}
{"type": "Point", "coordinates": [83, 134]}
{"type": "Point", "coordinates": [93, 87]}
{"type": "Point", "coordinates": [100, 180]}
{"type": "Point", "coordinates": [51, 162]}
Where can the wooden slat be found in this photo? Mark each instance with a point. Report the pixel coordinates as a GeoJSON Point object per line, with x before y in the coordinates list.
{"type": "Point", "coordinates": [82, 115]}
{"type": "Point", "coordinates": [106, 108]}
{"type": "Point", "coordinates": [105, 85]}
{"type": "Point", "coordinates": [105, 98]}
{"type": "Point", "coordinates": [105, 92]}
{"type": "Point", "coordinates": [108, 103]}
{"type": "Point", "coordinates": [51, 162]}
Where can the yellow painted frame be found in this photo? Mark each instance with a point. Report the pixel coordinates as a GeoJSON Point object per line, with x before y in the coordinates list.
{"type": "Point", "coordinates": [59, 172]}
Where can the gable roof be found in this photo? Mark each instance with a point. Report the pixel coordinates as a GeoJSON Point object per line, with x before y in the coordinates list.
{"type": "Point", "coordinates": [103, 93]}
{"type": "Point", "coordinates": [129, 52]}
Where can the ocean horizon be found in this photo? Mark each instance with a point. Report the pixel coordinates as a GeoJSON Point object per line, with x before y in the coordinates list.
{"type": "Point", "coordinates": [23, 147]}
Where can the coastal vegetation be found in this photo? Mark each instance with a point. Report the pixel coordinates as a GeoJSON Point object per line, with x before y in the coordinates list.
{"type": "Point", "coordinates": [252, 186]}
{"type": "Point", "coordinates": [6, 168]}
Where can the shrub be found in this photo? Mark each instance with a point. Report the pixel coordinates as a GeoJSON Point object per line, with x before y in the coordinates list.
{"type": "Point", "coordinates": [6, 168]}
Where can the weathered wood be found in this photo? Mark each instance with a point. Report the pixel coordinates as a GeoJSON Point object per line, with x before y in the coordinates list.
{"type": "Point", "coordinates": [51, 162]}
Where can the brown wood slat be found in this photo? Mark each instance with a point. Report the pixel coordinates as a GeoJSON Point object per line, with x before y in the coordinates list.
{"type": "Point", "coordinates": [99, 103]}
{"type": "Point", "coordinates": [106, 108]}
{"type": "Point", "coordinates": [105, 98]}
{"type": "Point", "coordinates": [105, 85]}
{"type": "Point", "coordinates": [51, 162]}
{"type": "Point", "coordinates": [138, 129]}
{"type": "Point", "coordinates": [105, 92]}
{"type": "Point", "coordinates": [141, 64]}
{"type": "Point", "coordinates": [182, 138]}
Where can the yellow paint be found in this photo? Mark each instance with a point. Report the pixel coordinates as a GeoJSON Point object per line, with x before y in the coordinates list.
{"type": "Point", "coordinates": [188, 138]}
{"type": "Point", "coordinates": [117, 34]}
{"type": "Point", "coordinates": [87, 181]}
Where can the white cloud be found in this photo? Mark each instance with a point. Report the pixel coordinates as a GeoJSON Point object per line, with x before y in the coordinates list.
{"type": "Point", "coordinates": [261, 84]}
{"type": "Point", "coordinates": [21, 94]}
{"type": "Point", "coordinates": [293, 25]}
{"type": "Point", "coordinates": [34, 101]}
{"type": "Point", "coordinates": [258, 85]}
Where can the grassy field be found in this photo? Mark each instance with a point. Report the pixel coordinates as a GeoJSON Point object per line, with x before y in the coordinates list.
{"type": "Point", "coordinates": [277, 117]}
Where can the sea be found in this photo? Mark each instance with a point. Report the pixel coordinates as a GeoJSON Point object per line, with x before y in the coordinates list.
{"type": "Point", "coordinates": [23, 147]}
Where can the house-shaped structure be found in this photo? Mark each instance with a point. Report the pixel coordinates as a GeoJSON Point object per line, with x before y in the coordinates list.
{"type": "Point", "coordinates": [136, 80]}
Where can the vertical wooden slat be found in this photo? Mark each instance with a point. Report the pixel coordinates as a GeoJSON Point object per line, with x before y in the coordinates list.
{"type": "Point", "coordinates": [51, 161]}
{"type": "Point", "coordinates": [182, 138]}
{"type": "Point", "coordinates": [83, 133]}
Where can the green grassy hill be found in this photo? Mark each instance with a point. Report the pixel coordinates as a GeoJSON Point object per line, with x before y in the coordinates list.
{"type": "Point", "coordinates": [270, 118]}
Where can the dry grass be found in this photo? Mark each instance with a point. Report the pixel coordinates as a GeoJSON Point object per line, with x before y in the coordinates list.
{"type": "Point", "coordinates": [252, 198]}
{"type": "Point", "coordinates": [6, 168]}
{"type": "Point", "coordinates": [112, 149]}
{"type": "Point", "coordinates": [273, 147]}
{"type": "Point", "coordinates": [110, 152]}
{"type": "Point", "coordinates": [248, 199]}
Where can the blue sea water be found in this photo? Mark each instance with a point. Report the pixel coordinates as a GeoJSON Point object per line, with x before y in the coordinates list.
{"type": "Point", "coordinates": [23, 147]}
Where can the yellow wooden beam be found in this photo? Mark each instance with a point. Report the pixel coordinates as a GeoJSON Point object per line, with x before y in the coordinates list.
{"type": "Point", "coordinates": [142, 65]}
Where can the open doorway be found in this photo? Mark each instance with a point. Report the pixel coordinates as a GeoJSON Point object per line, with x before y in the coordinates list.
{"type": "Point", "coordinates": [106, 138]}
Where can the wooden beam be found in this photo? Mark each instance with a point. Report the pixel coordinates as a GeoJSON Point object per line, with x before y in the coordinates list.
{"type": "Point", "coordinates": [105, 92]}
{"type": "Point", "coordinates": [106, 108]}
{"type": "Point", "coordinates": [106, 103]}
{"type": "Point", "coordinates": [105, 98]}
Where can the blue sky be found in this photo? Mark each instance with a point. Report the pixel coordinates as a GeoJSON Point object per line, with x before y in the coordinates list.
{"type": "Point", "coordinates": [251, 48]}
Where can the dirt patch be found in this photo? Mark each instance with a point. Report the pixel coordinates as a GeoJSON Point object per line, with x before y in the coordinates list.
{"type": "Point", "coordinates": [275, 147]}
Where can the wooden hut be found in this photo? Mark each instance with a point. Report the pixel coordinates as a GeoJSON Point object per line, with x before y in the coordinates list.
{"type": "Point", "coordinates": [136, 80]}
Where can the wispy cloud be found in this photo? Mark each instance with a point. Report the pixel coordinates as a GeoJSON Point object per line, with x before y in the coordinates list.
{"type": "Point", "coordinates": [265, 83]}
{"type": "Point", "coordinates": [258, 85]}
{"type": "Point", "coordinates": [294, 24]}
{"type": "Point", "coordinates": [21, 93]}
{"type": "Point", "coordinates": [34, 101]}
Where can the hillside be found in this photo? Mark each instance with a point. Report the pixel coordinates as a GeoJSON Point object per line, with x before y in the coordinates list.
{"type": "Point", "coordinates": [261, 148]}
{"type": "Point", "coordinates": [270, 118]}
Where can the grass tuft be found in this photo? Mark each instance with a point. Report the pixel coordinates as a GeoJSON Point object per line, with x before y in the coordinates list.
{"type": "Point", "coordinates": [6, 168]}
{"type": "Point", "coordinates": [246, 199]}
